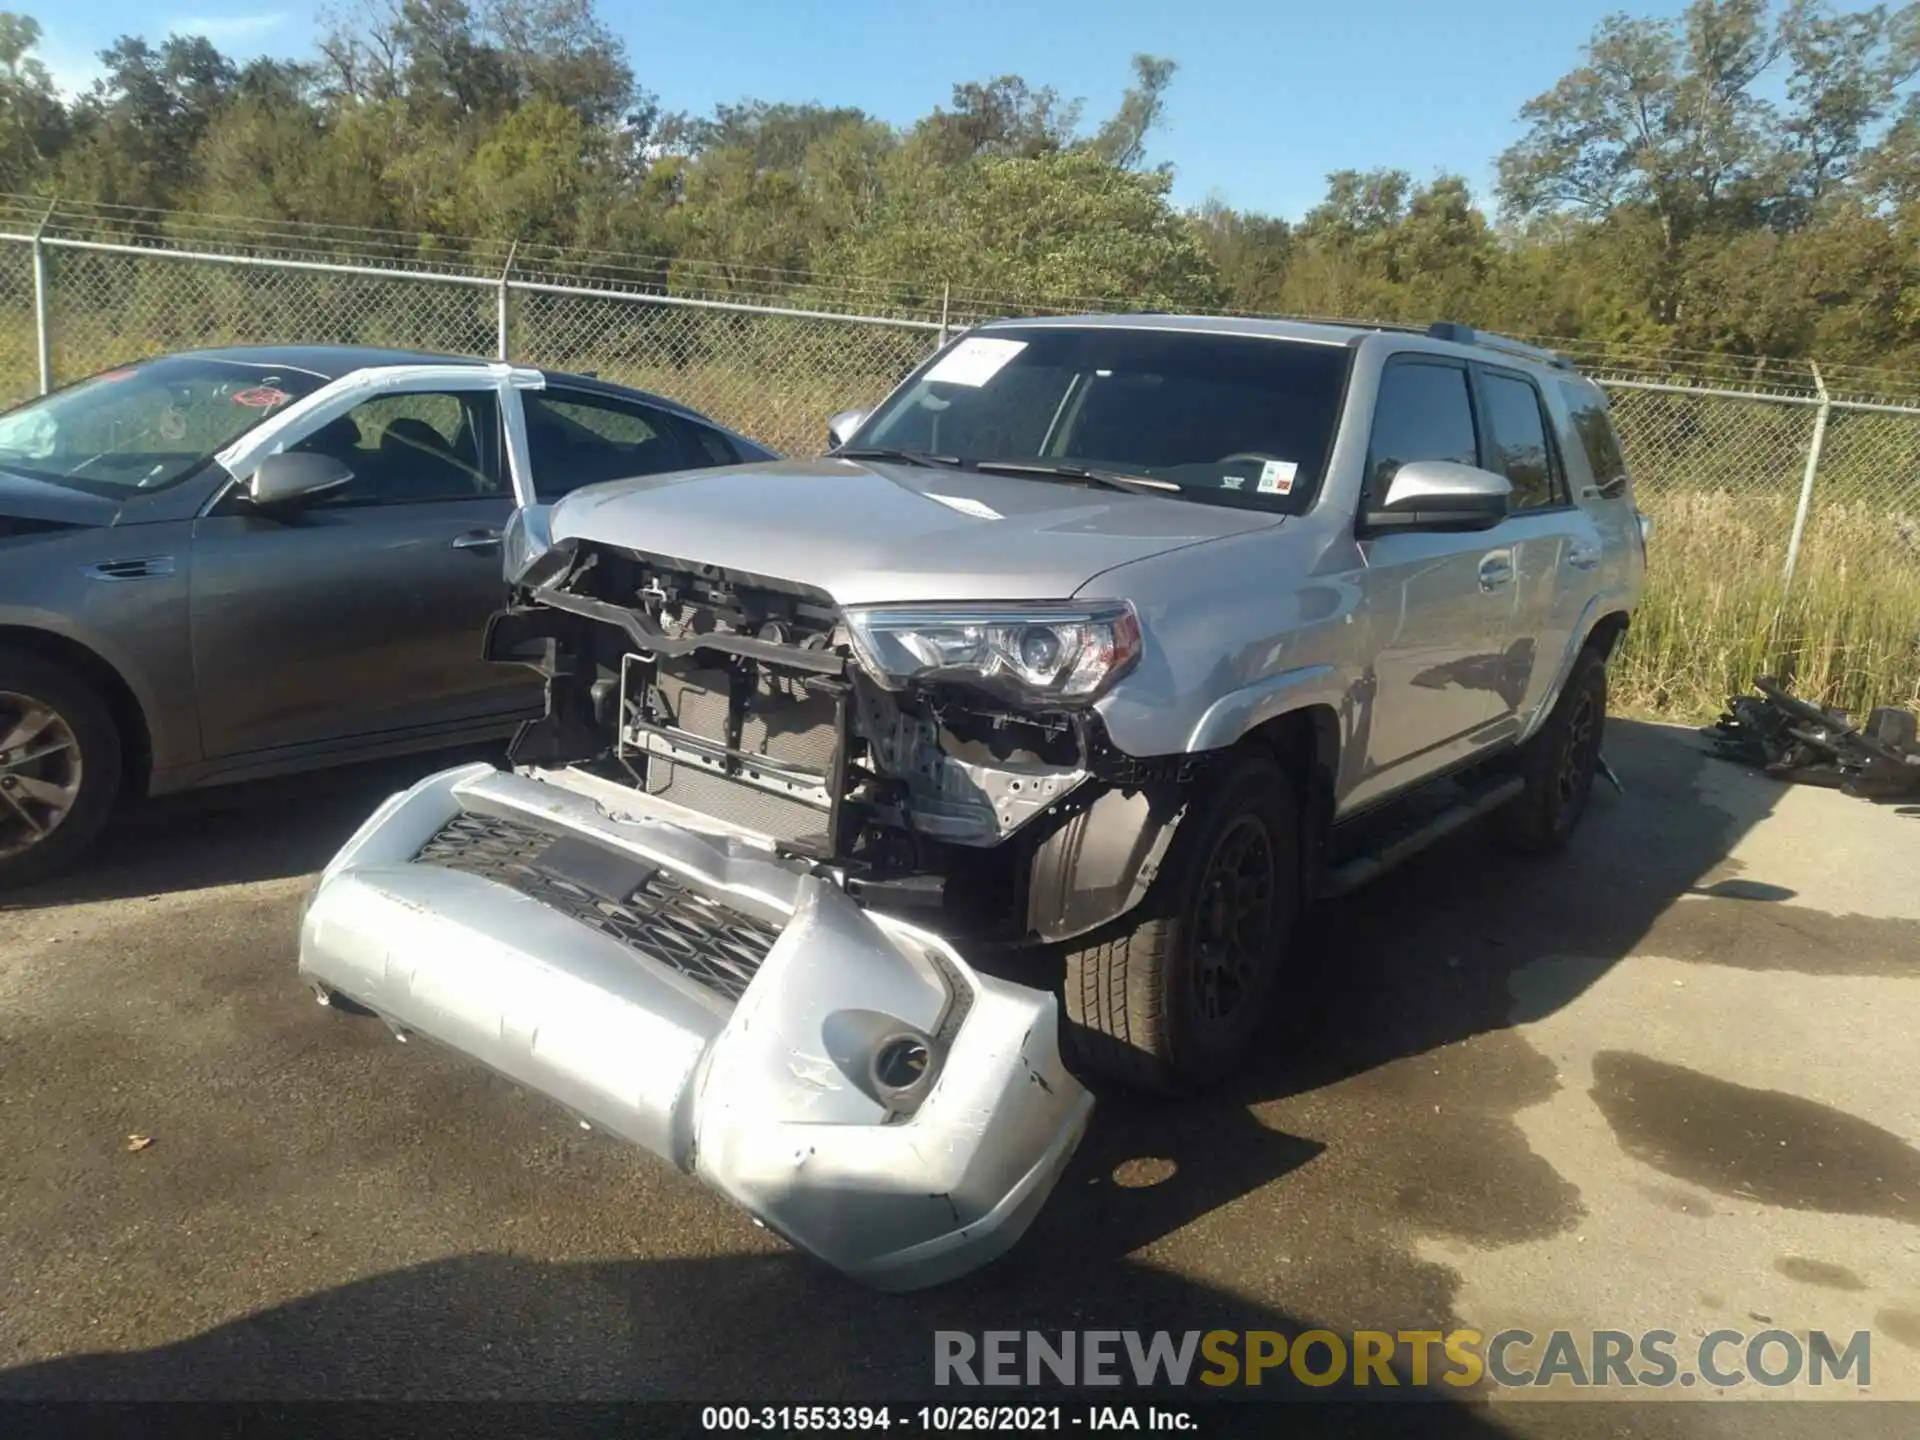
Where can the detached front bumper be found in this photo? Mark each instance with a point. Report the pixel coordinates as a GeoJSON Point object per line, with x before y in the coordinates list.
{"type": "Point", "coordinates": [845, 1077]}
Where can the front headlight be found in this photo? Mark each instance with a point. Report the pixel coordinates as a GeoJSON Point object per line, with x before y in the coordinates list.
{"type": "Point", "coordinates": [1068, 654]}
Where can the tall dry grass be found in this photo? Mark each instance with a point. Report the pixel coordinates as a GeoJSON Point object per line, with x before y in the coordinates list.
{"type": "Point", "coordinates": [1717, 611]}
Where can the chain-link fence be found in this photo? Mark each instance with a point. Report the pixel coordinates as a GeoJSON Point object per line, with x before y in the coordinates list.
{"type": "Point", "coordinates": [1788, 515]}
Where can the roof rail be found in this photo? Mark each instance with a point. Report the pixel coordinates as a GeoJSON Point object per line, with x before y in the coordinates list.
{"type": "Point", "coordinates": [1467, 335]}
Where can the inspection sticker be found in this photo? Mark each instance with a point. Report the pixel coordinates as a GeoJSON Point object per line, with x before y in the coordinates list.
{"type": "Point", "coordinates": [975, 361]}
{"type": "Point", "coordinates": [1276, 477]}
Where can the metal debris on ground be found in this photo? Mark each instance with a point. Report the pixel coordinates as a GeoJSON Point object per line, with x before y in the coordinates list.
{"type": "Point", "coordinates": [1795, 740]}
{"type": "Point", "coordinates": [137, 1143]}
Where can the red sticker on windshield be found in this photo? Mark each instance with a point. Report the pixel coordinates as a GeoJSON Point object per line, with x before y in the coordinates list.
{"type": "Point", "coordinates": [261, 397]}
{"type": "Point", "coordinates": [114, 375]}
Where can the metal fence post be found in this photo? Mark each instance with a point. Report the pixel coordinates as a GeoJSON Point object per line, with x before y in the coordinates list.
{"type": "Point", "coordinates": [505, 287]}
{"type": "Point", "coordinates": [946, 294]}
{"type": "Point", "coordinates": [42, 334]}
{"type": "Point", "coordinates": [1813, 469]}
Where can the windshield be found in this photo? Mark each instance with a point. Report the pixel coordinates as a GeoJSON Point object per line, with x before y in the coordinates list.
{"type": "Point", "coordinates": [1232, 420]}
{"type": "Point", "coordinates": [145, 426]}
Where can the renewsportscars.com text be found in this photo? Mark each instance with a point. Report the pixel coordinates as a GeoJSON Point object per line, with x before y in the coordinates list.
{"type": "Point", "coordinates": [1655, 1359]}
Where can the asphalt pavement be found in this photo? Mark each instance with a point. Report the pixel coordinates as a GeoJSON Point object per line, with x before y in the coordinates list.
{"type": "Point", "coordinates": [1666, 1081]}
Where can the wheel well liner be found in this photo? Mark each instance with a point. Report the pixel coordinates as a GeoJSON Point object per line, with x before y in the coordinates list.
{"type": "Point", "coordinates": [1306, 742]}
{"type": "Point", "coordinates": [136, 744]}
{"type": "Point", "coordinates": [1606, 633]}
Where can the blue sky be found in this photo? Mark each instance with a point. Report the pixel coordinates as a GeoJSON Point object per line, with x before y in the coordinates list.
{"type": "Point", "coordinates": [1271, 94]}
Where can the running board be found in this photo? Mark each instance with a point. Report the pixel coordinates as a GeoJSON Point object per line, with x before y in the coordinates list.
{"type": "Point", "coordinates": [1409, 839]}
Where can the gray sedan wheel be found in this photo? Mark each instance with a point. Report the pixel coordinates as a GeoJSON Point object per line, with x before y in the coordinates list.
{"type": "Point", "coordinates": [60, 763]}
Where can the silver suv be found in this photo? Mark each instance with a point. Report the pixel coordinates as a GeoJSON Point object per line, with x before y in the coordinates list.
{"type": "Point", "coordinates": [1104, 644]}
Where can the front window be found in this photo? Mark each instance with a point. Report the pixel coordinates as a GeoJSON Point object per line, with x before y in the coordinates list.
{"type": "Point", "coordinates": [1231, 420]}
{"type": "Point", "coordinates": [145, 426]}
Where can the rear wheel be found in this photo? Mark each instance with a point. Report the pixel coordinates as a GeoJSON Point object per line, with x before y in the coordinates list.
{"type": "Point", "coordinates": [1559, 763]}
{"type": "Point", "coordinates": [59, 768]}
{"type": "Point", "coordinates": [1170, 997]}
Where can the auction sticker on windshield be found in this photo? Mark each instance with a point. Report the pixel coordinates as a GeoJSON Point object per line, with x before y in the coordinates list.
{"type": "Point", "coordinates": [975, 361]}
{"type": "Point", "coordinates": [1276, 477]}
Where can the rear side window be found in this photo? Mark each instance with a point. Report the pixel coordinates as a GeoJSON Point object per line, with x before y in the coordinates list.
{"type": "Point", "coordinates": [577, 438]}
{"type": "Point", "coordinates": [1519, 447]}
{"type": "Point", "coordinates": [1425, 412]}
{"type": "Point", "coordinates": [708, 443]}
{"type": "Point", "coordinates": [1594, 426]}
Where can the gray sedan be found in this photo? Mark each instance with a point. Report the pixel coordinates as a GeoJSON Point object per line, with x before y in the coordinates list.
{"type": "Point", "coordinates": [235, 563]}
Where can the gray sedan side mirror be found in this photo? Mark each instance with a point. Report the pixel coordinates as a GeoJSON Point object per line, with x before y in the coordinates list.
{"type": "Point", "coordinates": [1442, 495]}
{"type": "Point", "coordinates": [293, 478]}
{"type": "Point", "coordinates": [842, 427]}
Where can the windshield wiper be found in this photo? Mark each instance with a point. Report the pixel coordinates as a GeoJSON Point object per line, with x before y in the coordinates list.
{"type": "Point", "coordinates": [905, 457]}
{"type": "Point", "coordinates": [1112, 479]}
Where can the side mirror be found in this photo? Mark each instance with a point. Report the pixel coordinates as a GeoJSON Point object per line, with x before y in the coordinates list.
{"type": "Point", "coordinates": [293, 478]}
{"type": "Point", "coordinates": [841, 428]}
{"type": "Point", "coordinates": [1442, 495]}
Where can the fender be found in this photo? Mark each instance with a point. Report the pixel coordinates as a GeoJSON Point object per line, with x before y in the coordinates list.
{"type": "Point", "coordinates": [1239, 712]}
{"type": "Point", "coordinates": [173, 738]}
{"type": "Point", "coordinates": [1597, 608]}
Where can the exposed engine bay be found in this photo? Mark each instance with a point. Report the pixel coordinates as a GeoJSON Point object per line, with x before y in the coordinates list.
{"type": "Point", "coordinates": [742, 699]}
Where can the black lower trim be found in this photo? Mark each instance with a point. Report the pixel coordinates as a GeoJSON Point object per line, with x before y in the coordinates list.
{"type": "Point", "coordinates": [657, 916]}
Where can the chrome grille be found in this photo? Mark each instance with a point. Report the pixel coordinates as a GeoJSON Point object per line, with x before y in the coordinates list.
{"type": "Point", "coordinates": [662, 919]}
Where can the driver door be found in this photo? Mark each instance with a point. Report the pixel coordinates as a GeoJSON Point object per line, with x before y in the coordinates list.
{"type": "Point", "coordinates": [1439, 605]}
{"type": "Point", "coordinates": [356, 619]}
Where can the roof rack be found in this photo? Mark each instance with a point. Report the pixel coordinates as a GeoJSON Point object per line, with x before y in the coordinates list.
{"type": "Point", "coordinates": [1467, 335]}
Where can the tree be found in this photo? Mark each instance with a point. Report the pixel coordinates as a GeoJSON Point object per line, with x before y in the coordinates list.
{"type": "Point", "coordinates": [1122, 141]}
{"type": "Point", "coordinates": [33, 124]}
{"type": "Point", "coordinates": [1846, 72]}
{"type": "Point", "coordinates": [1060, 227]}
{"type": "Point", "coordinates": [145, 118]}
{"type": "Point", "coordinates": [1660, 116]}
{"type": "Point", "coordinates": [1005, 117]}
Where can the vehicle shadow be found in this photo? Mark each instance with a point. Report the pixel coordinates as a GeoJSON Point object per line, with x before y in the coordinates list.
{"type": "Point", "coordinates": [736, 1330]}
{"type": "Point", "coordinates": [1365, 1047]}
{"type": "Point", "coordinates": [234, 834]}
{"type": "Point", "coordinates": [1286, 1201]}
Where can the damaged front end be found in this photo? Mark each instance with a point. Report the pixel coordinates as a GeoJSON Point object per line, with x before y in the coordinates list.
{"type": "Point", "coordinates": [722, 905]}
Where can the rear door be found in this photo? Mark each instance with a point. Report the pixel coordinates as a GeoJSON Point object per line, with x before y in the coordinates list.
{"type": "Point", "coordinates": [1439, 604]}
{"type": "Point", "coordinates": [579, 437]}
{"type": "Point", "coordinates": [358, 618]}
{"type": "Point", "coordinates": [1555, 545]}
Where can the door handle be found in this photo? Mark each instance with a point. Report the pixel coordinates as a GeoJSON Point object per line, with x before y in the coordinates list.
{"type": "Point", "coordinates": [1495, 571]}
{"type": "Point", "coordinates": [477, 540]}
{"type": "Point", "coordinates": [1582, 558]}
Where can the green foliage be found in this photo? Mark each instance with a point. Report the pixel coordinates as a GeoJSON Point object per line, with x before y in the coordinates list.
{"type": "Point", "coordinates": [1743, 179]}
{"type": "Point", "coordinates": [1058, 224]}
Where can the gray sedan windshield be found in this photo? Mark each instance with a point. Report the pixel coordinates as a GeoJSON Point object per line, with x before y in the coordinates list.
{"type": "Point", "coordinates": [1226, 419]}
{"type": "Point", "coordinates": [145, 426]}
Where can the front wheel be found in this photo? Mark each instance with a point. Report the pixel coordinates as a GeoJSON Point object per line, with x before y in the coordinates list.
{"type": "Point", "coordinates": [1559, 763]}
{"type": "Point", "coordinates": [59, 768]}
{"type": "Point", "coordinates": [1169, 998]}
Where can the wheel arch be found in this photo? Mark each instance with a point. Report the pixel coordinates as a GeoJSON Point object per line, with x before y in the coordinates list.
{"type": "Point", "coordinates": [1607, 633]}
{"type": "Point", "coordinates": [129, 716]}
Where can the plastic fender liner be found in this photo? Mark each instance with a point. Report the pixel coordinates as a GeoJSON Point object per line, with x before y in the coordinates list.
{"type": "Point", "coordinates": [1099, 863]}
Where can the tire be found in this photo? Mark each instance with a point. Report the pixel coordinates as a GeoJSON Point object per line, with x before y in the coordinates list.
{"type": "Point", "coordinates": [74, 749]}
{"type": "Point", "coordinates": [1559, 763]}
{"type": "Point", "coordinates": [1161, 1002]}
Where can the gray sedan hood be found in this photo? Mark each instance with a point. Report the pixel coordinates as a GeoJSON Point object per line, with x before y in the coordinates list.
{"type": "Point", "coordinates": [24, 498]}
{"type": "Point", "coordinates": [866, 533]}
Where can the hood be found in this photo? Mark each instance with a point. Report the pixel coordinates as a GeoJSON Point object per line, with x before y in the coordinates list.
{"type": "Point", "coordinates": [46, 506]}
{"type": "Point", "coordinates": [868, 533]}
